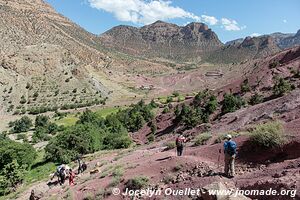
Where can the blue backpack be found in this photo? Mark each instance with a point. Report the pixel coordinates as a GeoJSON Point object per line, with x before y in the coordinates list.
{"type": "Point", "coordinates": [230, 147]}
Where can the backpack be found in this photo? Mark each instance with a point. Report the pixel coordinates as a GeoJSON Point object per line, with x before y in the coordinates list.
{"type": "Point", "coordinates": [230, 147]}
{"type": "Point", "coordinates": [179, 142]}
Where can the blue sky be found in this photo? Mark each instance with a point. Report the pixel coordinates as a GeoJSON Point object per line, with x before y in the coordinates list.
{"type": "Point", "coordinates": [230, 19]}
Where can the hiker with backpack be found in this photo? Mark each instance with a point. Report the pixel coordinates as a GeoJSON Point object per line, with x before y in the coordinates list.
{"type": "Point", "coordinates": [62, 175]}
{"type": "Point", "coordinates": [71, 177]}
{"type": "Point", "coordinates": [230, 154]}
{"type": "Point", "coordinates": [180, 144]}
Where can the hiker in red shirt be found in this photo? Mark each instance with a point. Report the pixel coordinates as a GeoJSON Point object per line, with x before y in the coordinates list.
{"type": "Point", "coordinates": [71, 177]}
{"type": "Point", "coordinates": [179, 144]}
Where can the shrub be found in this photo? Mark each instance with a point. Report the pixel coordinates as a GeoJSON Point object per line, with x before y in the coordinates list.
{"type": "Point", "coordinates": [245, 87]}
{"type": "Point", "coordinates": [256, 99]}
{"type": "Point", "coordinates": [153, 104]}
{"type": "Point", "coordinates": [21, 136]}
{"type": "Point", "coordinates": [170, 145]}
{"type": "Point", "coordinates": [23, 100]}
{"type": "Point", "coordinates": [281, 87]}
{"type": "Point", "coordinates": [168, 179]}
{"type": "Point", "coordinates": [222, 137]}
{"type": "Point", "coordinates": [273, 64]}
{"type": "Point", "coordinates": [202, 139]}
{"type": "Point", "coordinates": [153, 128]}
{"type": "Point", "coordinates": [35, 95]}
{"type": "Point", "coordinates": [27, 85]}
{"type": "Point", "coordinates": [151, 138]}
{"type": "Point", "coordinates": [137, 183]}
{"type": "Point", "coordinates": [176, 94]}
{"type": "Point", "coordinates": [169, 99]}
{"type": "Point", "coordinates": [268, 135]}
{"type": "Point", "coordinates": [166, 110]}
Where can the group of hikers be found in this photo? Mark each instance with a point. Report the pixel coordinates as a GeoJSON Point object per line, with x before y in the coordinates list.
{"type": "Point", "coordinates": [64, 171]}
{"type": "Point", "coordinates": [229, 153]}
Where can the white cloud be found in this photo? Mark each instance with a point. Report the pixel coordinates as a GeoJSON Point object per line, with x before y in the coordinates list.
{"type": "Point", "coordinates": [142, 12]}
{"type": "Point", "coordinates": [284, 21]}
{"type": "Point", "coordinates": [255, 35]}
{"type": "Point", "coordinates": [231, 25]}
{"type": "Point", "coordinates": [149, 11]}
{"type": "Point", "coordinates": [211, 20]}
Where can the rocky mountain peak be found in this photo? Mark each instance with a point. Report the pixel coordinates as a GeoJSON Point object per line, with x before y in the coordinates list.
{"type": "Point", "coordinates": [195, 26]}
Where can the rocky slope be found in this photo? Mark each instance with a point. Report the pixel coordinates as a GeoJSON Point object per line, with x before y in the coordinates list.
{"type": "Point", "coordinates": [162, 39]}
{"type": "Point", "coordinates": [291, 41]}
{"type": "Point", "coordinates": [250, 48]}
{"type": "Point", "coordinates": [282, 40]}
{"type": "Point", "coordinates": [193, 42]}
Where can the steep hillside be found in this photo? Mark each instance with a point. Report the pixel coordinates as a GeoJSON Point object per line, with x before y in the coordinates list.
{"type": "Point", "coordinates": [44, 53]}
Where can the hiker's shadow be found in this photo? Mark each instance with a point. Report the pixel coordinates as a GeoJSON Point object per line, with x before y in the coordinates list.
{"type": "Point", "coordinates": [161, 159]}
{"type": "Point", "coordinates": [52, 183]}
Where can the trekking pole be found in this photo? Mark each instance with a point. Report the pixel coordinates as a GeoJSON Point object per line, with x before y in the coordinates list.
{"type": "Point", "coordinates": [219, 158]}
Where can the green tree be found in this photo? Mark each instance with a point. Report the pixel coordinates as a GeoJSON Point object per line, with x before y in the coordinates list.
{"type": "Point", "coordinates": [41, 121]}
{"type": "Point", "coordinates": [21, 125]}
{"type": "Point", "coordinates": [212, 105]}
{"type": "Point", "coordinates": [25, 154]}
{"type": "Point", "coordinates": [10, 176]}
{"type": "Point", "coordinates": [231, 103]}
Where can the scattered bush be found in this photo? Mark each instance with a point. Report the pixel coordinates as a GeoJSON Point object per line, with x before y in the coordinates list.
{"type": "Point", "coordinates": [273, 64]}
{"type": "Point", "coordinates": [169, 99]}
{"type": "Point", "coordinates": [166, 110]}
{"type": "Point", "coordinates": [21, 136]}
{"type": "Point", "coordinates": [268, 135]}
{"type": "Point", "coordinates": [170, 145]}
{"type": "Point", "coordinates": [245, 87]}
{"type": "Point", "coordinates": [137, 183]}
{"type": "Point", "coordinates": [176, 94]}
{"type": "Point", "coordinates": [168, 179]}
{"type": "Point", "coordinates": [202, 139]}
{"type": "Point", "coordinates": [222, 137]}
{"type": "Point", "coordinates": [281, 87]}
{"type": "Point", "coordinates": [151, 138]}
{"type": "Point", "coordinates": [23, 100]}
{"type": "Point", "coordinates": [256, 99]}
